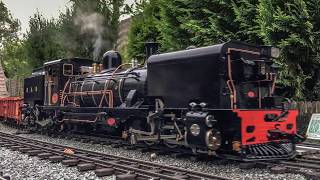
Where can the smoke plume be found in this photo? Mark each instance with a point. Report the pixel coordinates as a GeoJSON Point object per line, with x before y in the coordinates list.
{"type": "Point", "coordinates": [92, 24]}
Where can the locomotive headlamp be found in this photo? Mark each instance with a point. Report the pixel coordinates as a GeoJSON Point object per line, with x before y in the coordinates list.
{"type": "Point", "coordinates": [195, 129]}
{"type": "Point", "coordinates": [210, 120]}
{"type": "Point", "coordinates": [270, 52]}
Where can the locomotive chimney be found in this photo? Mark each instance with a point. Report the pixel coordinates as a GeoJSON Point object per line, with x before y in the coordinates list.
{"type": "Point", "coordinates": [151, 48]}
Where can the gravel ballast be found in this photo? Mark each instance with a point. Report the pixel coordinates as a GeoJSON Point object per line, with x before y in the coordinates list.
{"type": "Point", "coordinates": [21, 166]}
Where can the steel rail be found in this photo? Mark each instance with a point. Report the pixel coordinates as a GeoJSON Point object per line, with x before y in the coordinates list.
{"type": "Point", "coordinates": [296, 164]}
{"type": "Point", "coordinates": [310, 144]}
{"type": "Point", "coordinates": [141, 168]}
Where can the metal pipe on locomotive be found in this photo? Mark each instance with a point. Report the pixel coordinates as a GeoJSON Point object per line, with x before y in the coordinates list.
{"type": "Point", "coordinates": [218, 99]}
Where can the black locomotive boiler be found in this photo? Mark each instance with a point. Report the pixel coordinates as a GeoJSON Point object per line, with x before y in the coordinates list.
{"type": "Point", "coordinates": [216, 100]}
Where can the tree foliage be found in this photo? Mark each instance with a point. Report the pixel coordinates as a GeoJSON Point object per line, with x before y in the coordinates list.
{"type": "Point", "coordinates": [14, 58]}
{"type": "Point", "coordinates": [90, 27]}
{"type": "Point", "coordinates": [196, 23]}
{"type": "Point", "coordinates": [12, 51]}
{"type": "Point", "coordinates": [86, 29]}
{"type": "Point", "coordinates": [177, 24]}
{"type": "Point", "coordinates": [143, 27]}
{"type": "Point", "coordinates": [42, 40]}
{"type": "Point", "coordinates": [8, 25]}
{"type": "Point", "coordinates": [291, 25]}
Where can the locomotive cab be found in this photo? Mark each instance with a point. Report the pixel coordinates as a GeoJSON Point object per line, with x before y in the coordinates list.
{"type": "Point", "coordinates": [34, 88]}
{"type": "Point", "coordinates": [57, 73]}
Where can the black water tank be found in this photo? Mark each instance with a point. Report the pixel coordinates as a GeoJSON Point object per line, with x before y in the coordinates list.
{"type": "Point", "coordinates": [111, 59]}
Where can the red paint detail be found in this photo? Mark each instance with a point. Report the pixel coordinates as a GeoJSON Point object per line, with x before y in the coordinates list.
{"type": "Point", "coordinates": [256, 118]}
{"type": "Point", "coordinates": [251, 94]}
{"type": "Point", "coordinates": [54, 98]}
{"type": "Point", "coordinates": [111, 121]}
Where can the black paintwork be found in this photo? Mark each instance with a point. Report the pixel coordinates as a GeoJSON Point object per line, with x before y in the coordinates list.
{"type": "Point", "coordinates": [34, 88]}
{"type": "Point", "coordinates": [195, 75]}
{"type": "Point", "coordinates": [120, 83]}
{"type": "Point", "coordinates": [111, 59]}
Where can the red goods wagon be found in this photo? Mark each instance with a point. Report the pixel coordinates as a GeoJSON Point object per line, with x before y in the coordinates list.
{"type": "Point", "coordinates": [10, 109]}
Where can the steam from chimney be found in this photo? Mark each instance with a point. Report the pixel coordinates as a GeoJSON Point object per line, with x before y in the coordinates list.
{"type": "Point", "coordinates": [92, 24]}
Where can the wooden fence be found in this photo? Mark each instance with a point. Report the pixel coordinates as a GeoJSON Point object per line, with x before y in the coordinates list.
{"type": "Point", "coordinates": [15, 87]}
{"type": "Point", "coordinates": [306, 109]}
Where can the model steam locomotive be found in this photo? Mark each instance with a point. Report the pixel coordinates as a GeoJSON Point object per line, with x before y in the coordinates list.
{"type": "Point", "coordinates": [217, 100]}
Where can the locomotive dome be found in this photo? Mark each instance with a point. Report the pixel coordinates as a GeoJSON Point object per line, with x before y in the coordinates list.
{"type": "Point", "coordinates": [111, 59]}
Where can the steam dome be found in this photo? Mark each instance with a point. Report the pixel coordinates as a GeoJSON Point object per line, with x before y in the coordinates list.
{"type": "Point", "coordinates": [111, 59]}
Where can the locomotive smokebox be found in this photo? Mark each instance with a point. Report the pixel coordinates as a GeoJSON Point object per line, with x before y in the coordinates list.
{"type": "Point", "coordinates": [111, 59]}
{"type": "Point", "coordinates": [151, 48]}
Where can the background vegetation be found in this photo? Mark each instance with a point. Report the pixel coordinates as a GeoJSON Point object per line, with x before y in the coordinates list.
{"type": "Point", "coordinates": [86, 29]}
{"type": "Point", "coordinates": [291, 25]}
{"type": "Point", "coordinates": [89, 27]}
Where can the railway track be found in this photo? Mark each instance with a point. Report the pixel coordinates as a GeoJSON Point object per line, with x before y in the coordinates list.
{"type": "Point", "coordinates": [304, 164]}
{"type": "Point", "coordinates": [307, 148]}
{"type": "Point", "coordinates": [309, 166]}
{"type": "Point", "coordinates": [102, 164]}
{"type": "Point", "coordinates": [311, 145]}
{"type": "Point", "coordinates": [117, 142]}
